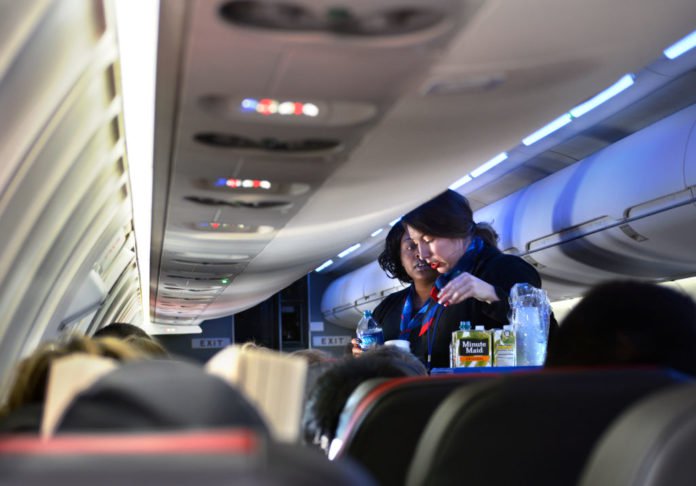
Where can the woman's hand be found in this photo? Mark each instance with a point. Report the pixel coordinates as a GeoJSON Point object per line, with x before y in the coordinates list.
{"type": "Point", "coordinates": [357, 350]}
{"type": "Point", "coordinates": [465, 286]}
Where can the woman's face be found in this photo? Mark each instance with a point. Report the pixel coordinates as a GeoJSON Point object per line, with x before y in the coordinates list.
{"type": "Point", "coordinates": [442, 254]}
{"type": "Point", "coordinates": [416, 268]}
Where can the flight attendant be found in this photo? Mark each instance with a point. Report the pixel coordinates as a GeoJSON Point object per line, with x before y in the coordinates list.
{"type": "Point", "coordinates": [475, 277]}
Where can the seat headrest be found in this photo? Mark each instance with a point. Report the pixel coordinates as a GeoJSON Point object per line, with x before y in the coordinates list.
{"type": "Point", "coordinates": [159, 395]}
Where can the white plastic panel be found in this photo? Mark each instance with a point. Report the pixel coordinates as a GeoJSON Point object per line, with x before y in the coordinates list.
{"type": "Point", "coordinates": [347, 297]}
{"type": "Point", "coordinates": [690, 158]}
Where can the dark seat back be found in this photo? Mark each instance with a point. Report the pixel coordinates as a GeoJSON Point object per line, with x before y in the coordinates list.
{"type": "Point", "coordinates": [527, 429]}
{"type": "Point", "coordinates": [232, 456]}
{"type": "Point", "coordinates": [650, 444]}
{"type": "Point", "coordinates": [383, 420]}
{"type": "Point", "coordinates": [157, 395]}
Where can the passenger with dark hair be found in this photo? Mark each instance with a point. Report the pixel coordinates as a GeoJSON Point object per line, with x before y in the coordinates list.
{"type": "Point", "coordinates": [475, 277]}
{"type": "Point", "coordinates": [334, 387]}
{"type": "Point", "coordinates": [628, 323]}
{"type": "Point", "coordinates": [121, 330]}
{"type": "Point", "coordinates": [402, 311]}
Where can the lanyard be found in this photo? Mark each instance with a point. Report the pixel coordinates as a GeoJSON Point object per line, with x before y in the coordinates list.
{"type": "Point", "coordinates": [430, 337]}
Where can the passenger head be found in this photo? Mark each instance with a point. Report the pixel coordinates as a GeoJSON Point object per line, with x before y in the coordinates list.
{"type": "Point", "coordinates": [314, 356]}
{"type": "Point", "coordinates": [121, 330]}
{"type": "Point", "coordinates": [399, 259]}
{"type": "Point", "coordinates": [251, 345]}
{"type": "Point", "coordinates": [443, 228]}
{"type": "Point", "coordinates": [628, 323]}
{"type": "Point", "coordinates": [334, 387]}
{"type": "Point", "coordinates": [408, 361]}
{"type": "Point", "coordinates": [159, 395]}
{"type": "Point", "coordinates": [31, 374]}
{"type": "Point", "coordinates": [148, 346]}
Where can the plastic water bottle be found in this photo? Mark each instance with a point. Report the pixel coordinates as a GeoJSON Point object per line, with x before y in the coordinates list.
{"type": "Point", "coordinates": [369, 332]}
{"type": "Point", "coordinates": [530, 320]}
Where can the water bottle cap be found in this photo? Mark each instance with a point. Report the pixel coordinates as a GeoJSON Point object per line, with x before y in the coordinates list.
{"type": "Point", "coordinates": [367, 313]}
{"type": "Point", "coordinates": [480, 328]}
{"type": "Point", "coordinates": [464, 325]}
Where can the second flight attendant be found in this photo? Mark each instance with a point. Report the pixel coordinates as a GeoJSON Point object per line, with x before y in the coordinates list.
{"type": "Point", "coordinates": [475, 277]}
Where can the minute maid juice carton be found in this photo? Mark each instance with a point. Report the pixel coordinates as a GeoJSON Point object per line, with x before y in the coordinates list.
{"type": "Point", "coordinates": [472, 348]}
{"type": "Point", "coordinates": [504, 347]}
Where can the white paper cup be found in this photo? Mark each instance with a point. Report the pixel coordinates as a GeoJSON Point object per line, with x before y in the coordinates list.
{"type": "Point", "coordinates": [399, 343]}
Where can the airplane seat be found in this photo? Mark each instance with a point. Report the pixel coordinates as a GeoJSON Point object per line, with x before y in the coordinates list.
{"type": "Point", "coordinates": [651, 444]}
{"type": "Point", "coordinates": [155, 395]}
{"type": "Point", "coordinates": [527, 429]}
{"type": "Point", "coordinates": [383, 420]}
{"type": "Point", "coordinates": [191, 458]}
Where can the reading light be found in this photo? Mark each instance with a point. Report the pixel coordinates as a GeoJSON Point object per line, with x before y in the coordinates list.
{"type": "Point", "coordinates": [622, 84]}
{"type": "Point", "coordinates": [460, 182]}
{"type": "Point", "coordinates": [310, 109]}
{"type": "Point", "coordinates": [249, 104]}
{"type": "Point", "coordinates": [392, 223]}
{"type": "Point", "coordinates": [286, 108]}
{"type": "Point", "coordinates": [680, 47]}
{"type": "Point", "coordinates": [559, 122]}
{"type": "Point", "coordinates": [375, 233]}
{"type": "Point", "coordinates": [324, 265]}
{"type": "Point", "coordinates": [348, 251]}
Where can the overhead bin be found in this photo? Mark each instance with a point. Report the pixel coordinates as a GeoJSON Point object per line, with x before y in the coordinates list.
{"type": "Point", "coordinates": [347, 297]}
{"type": "Point", "coordinates": [628, 211]}
{"type": "Point", "coordinates": [624, 212]}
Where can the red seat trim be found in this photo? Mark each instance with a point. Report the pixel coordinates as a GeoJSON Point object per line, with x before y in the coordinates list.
{"type": "Point", "coordinates": [242, 441]}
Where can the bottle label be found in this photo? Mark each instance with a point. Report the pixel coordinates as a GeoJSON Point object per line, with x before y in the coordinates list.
{"type": "Point", "coordinates": [474, 350]}
{"type": "Point", "coordinates": [370, 339]}
{"type": "Point", "coordinates": [504, 348]}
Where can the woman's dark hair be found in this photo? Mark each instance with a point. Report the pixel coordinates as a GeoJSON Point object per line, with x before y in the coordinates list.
{"type": "Point", "coordinates": [390, 258]}
{"type": "Point", "coordinates": [449, 215]}
{"type": "Point", "coordinates": [628, 323]}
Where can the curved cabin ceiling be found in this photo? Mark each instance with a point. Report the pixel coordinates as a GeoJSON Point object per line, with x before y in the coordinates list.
{"type": "Point", "coordinates": [287, 132]}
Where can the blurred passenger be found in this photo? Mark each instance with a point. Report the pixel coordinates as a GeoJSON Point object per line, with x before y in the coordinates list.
{"type": "Point", "coordinates": [159, 395]}
{"type": "Point", "coordinates": [149, 347]}
{"type": "Point", "coordinates": [314, 356]}
{"type": "Point", "coordinates": [24, 406]}
{"type": "Point", "coordinates": [319, 362]}
{"type": "Point", "coordinates": [475, 277]}
{"type": "Point", "coordinates": [251, 345]}
{"type": "Point", "coordinates": [404, 310]}
{"type": "Point", "coordinates": [334, 387]}
{"type": "Point", "coordinates": [121, 330]}
{"type": "Point", "coordinates": [628, 323]}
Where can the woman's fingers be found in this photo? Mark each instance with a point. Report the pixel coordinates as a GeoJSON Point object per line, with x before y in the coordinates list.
{"type": "Point", "coordinates": [465, 286]}
{"type": "Point", "coordinates": [357, 350]}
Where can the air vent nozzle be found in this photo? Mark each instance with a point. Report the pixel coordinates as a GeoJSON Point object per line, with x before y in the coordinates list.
{"type": "Point", "coordinates": [269, 144]}
{"type": "Point", "coordinates": [209, 201]}
{"type": "Point", "coordinates": [289, 17]}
